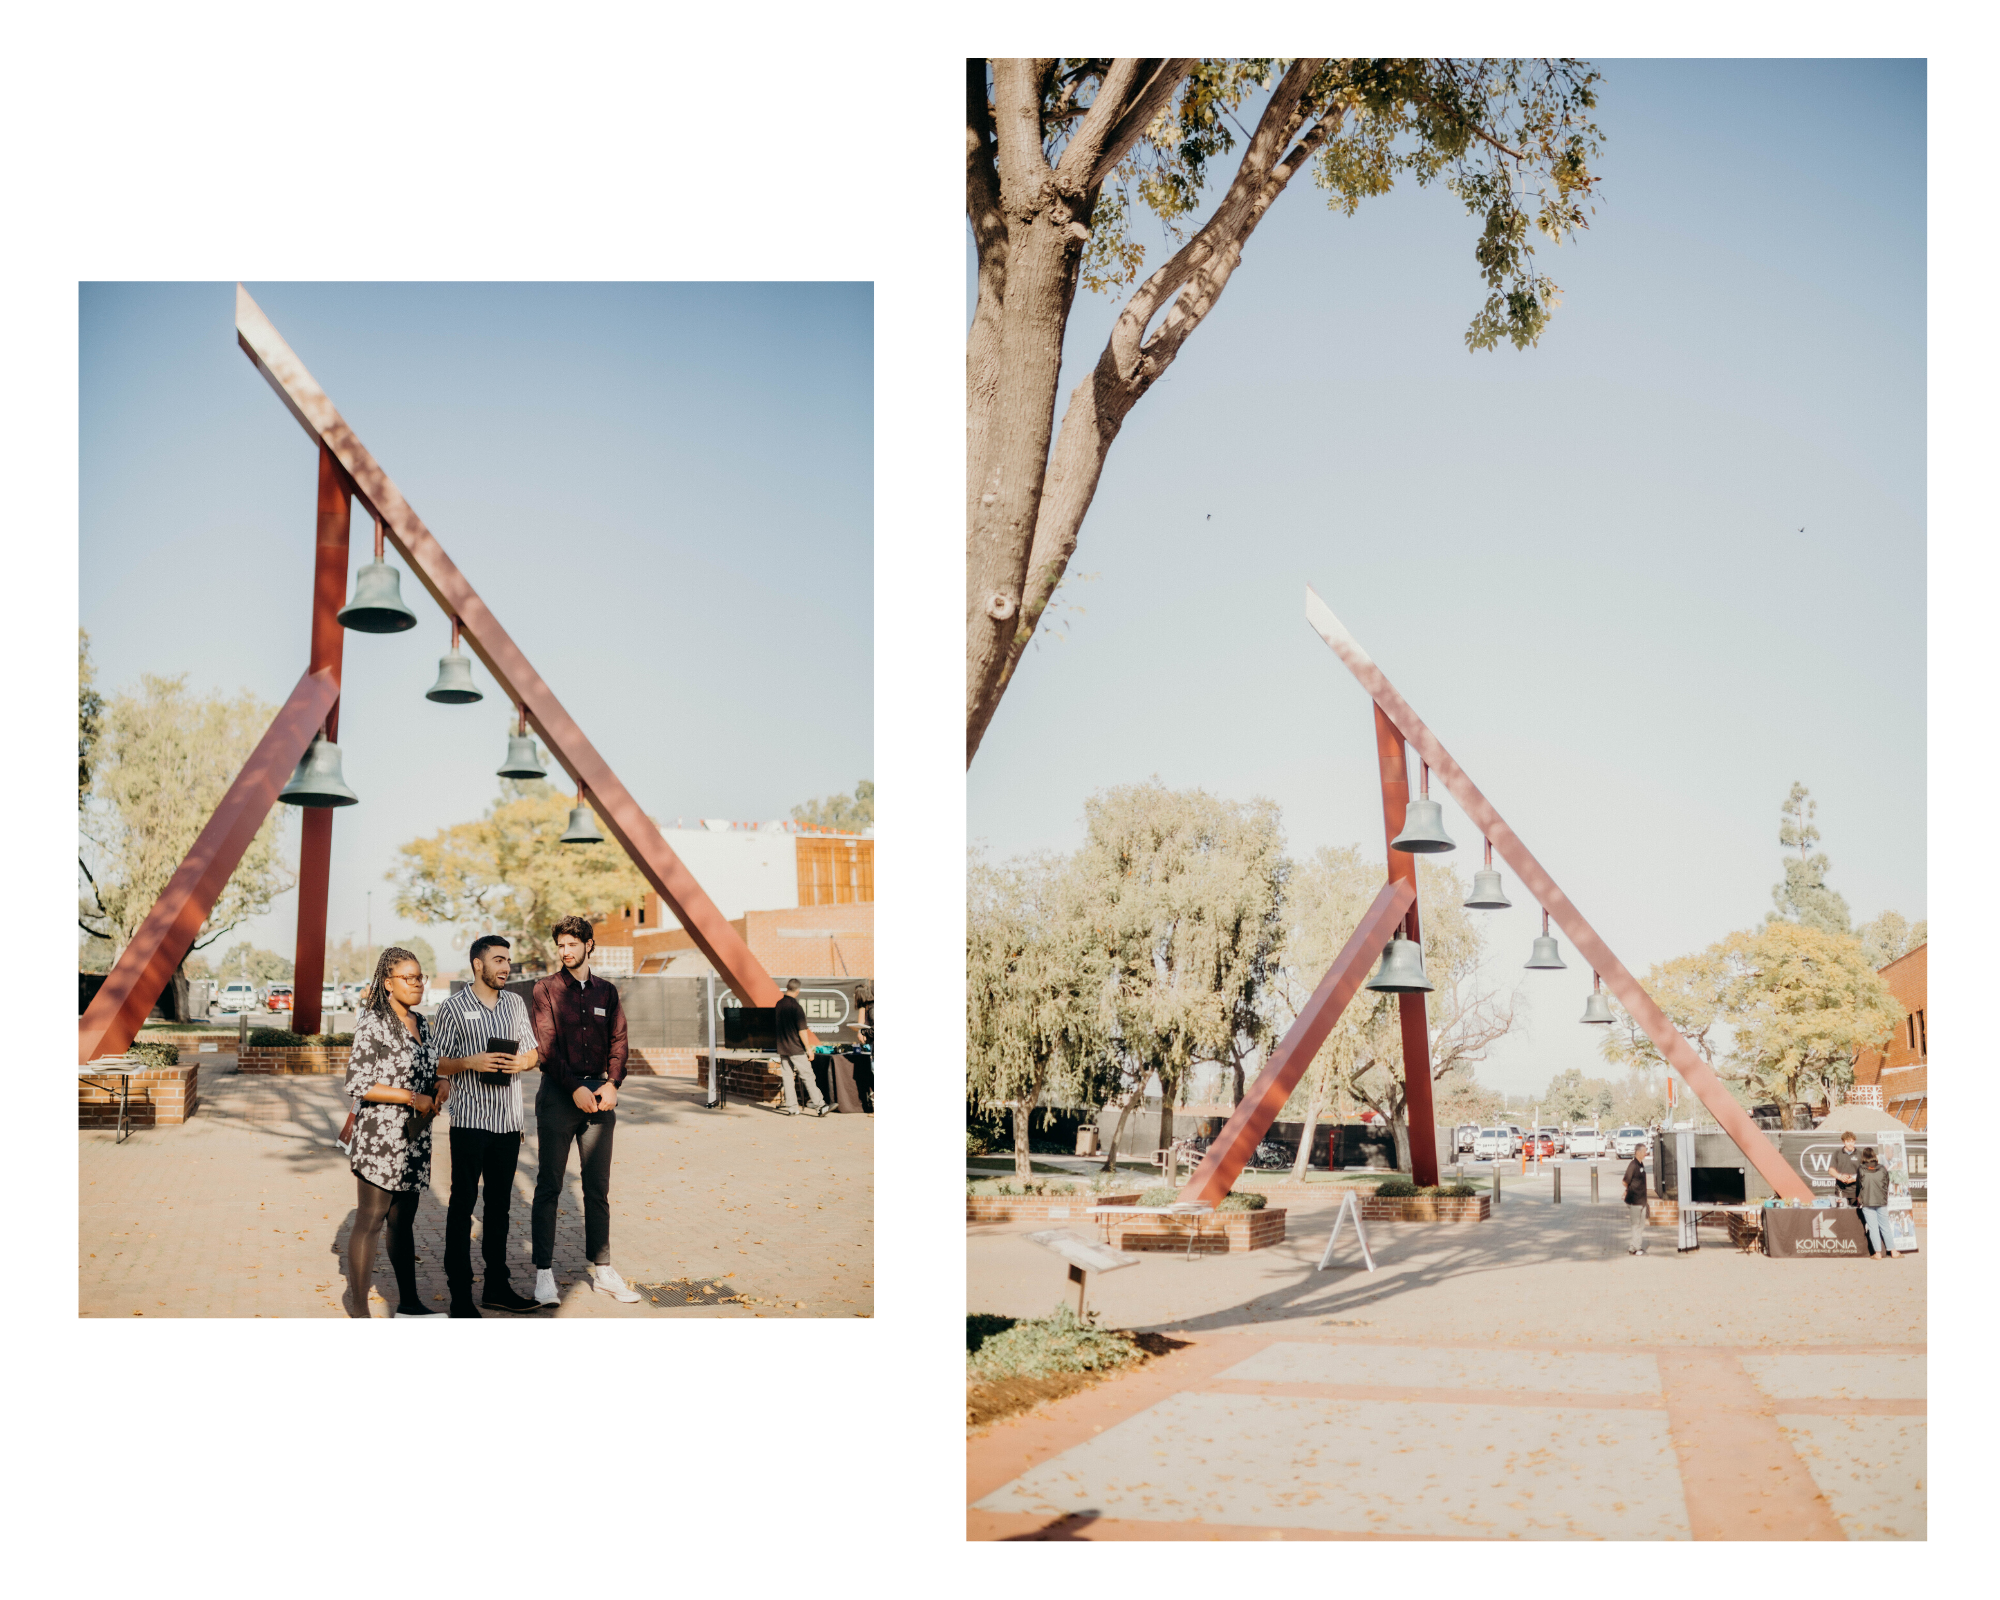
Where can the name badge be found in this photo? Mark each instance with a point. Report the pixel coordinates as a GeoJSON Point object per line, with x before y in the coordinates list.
{"type": "Point", "coordinates": [598, 1009]}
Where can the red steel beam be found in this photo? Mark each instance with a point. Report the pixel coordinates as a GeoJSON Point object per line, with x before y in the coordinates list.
{"type": "Point", "coordinates": [168, 933]}
{"type": "Point", "coordinates": [316, 825]}
{"type": "Point", "coordinates": [1265, 1098]}
{"type": "Point", "coordinates": [1695, 1072]}
{"type": "Point", "coordinates": [1412, 1011]}
{"type": "Point", "coordinates": [481, 630]}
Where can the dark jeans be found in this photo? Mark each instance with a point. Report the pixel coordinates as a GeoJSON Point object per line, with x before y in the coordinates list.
{"type": "Point", "coordinates": [558, 1124]}
{"type": "Point", "coordinates": [372, 1208]}
{"type": "Point", "coordinates": [479, 1156]}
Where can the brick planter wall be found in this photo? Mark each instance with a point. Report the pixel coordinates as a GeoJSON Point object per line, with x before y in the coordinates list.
{"type": "Point", "coordinates": [1221, 1234]}
{"type": "Point", "coordinates": [1040, 1208]}
{"type": "Point", "coordinates": [669, 1062]}
{"type": "Point", "coordinates": [1662, 1213]}
{"type": "Point", "coordinates": [1428, 1208]}
{"type": "Point", "coordinates": [294, 1059]}
{"type": "Point", "coordinates": [161, 1096]}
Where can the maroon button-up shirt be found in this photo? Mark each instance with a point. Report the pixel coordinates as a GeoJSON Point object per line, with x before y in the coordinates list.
{"type": "Point", "coordinates": [579, 1030]}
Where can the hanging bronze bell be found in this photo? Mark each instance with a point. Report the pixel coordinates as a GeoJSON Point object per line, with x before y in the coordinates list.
{"type": "Point", "coordinates": [454, 686]}
{"type": "Point", "coordinates": [1423, 829]}
{"type": "Point", "coordinates": [1546, 958]}
{"type": "Point", "coordinates": [377, 606]}
{"type": "Point", "coordinates": [582, 828]}
{"type": "Point", "coordinates": [317, 780]}
{"type": "Point", "coordinates": [1596, 1008]}
{"type": "Point", "coordinates": [1487, 895]}
{"type": "Point", "coordinates": [1402, 969]}
{"type": "Point", "coordinates": [522, 761]}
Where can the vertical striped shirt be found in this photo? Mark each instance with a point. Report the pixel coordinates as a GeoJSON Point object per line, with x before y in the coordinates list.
{"type": "Point", "coordinates": [461, 1028]}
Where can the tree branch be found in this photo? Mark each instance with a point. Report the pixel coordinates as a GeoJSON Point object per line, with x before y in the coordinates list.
{"type": "Point", "coordinates": [1153, 87]}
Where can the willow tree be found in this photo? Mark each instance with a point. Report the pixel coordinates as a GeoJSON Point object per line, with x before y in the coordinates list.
{"type": "Point", "coordinates": [1363, 1055]}
{"type": "Point", "coordinates": [1061, 154]}
{"type": "Point", "coordinates": [1185, 890]}
{"type": "Point", "coordinates": [1037, 1020]}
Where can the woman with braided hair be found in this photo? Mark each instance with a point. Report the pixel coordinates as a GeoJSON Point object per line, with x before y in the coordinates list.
{"type": "Point", "coordinates": [392, 1073]}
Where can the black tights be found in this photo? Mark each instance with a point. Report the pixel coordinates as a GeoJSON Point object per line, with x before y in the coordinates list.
{"type": "Point", "coordinates": [373, 1207]}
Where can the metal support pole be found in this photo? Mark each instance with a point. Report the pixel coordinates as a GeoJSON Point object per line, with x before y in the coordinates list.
{"type": "Point", "coordinates": [1557, 1173]}
{"type": "Point", "coordinates": [1593, 1183]}
{"type": "Point", "coordinates": [714, 1062]}
{"type": "Point", "coordinates": [316, 826]}
{"type": "Point", "coordinates": [1496, 1184]}
{"type": "Point", "coordinates": [1410, 1007]}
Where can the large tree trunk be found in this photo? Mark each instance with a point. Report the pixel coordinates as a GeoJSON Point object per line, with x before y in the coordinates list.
{"type": "Point", "coordinates": [1125, 1108]}
{"type": "Point", "coordinates": [1399, 1129]}
{"type": "Point", "coordinates": [1023, 1164]}
{"type": "Point", "coordinates": [1169, 1097]}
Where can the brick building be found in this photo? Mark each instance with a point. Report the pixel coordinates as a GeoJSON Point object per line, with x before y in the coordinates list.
{"type": "Point", "coordinates": [1901, 1073]}
{"type": "Point", "coordinates": [802, 898]}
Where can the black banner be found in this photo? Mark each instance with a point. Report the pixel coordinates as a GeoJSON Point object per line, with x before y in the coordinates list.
{"type": "Point", "coordinates": [1814, 1232]}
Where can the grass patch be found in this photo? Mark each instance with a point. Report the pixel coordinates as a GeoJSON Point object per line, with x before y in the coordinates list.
{"type": "Point", "coordinates": [1039, 1347]}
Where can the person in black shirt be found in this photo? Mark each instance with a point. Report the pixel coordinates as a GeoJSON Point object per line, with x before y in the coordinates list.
{"type": "Point", "coordinates": [793, 1055]}
{"type": "Point", "coordinates": [1635, 1197]}
{"type": "Point", "coordinates": [1846, 1167]}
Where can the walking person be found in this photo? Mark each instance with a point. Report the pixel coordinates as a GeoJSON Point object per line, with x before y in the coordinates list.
{"type": "Point", "coordinates": [1872, 1186]}
{"type": "Point", "coordinates": [392, 1073]}
{"type": "Point", "coordinates": [580, 1033]}
{"type": "Point", "coordinates": [1846, 1169]}
{"type": "Point", "coordinates": [485, 1121]}
{"type": "Point", "coordinates": [1635, 1198]}
{"type": "Point", "coordinates": [794, 1057]}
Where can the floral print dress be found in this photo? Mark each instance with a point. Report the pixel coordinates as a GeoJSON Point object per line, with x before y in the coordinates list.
{"type": "Point", "coordinates": [385, 1054]}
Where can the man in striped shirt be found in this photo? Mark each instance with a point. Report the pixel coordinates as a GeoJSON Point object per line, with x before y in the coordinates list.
{"type": "Point", "coordinates": [485, 1105]}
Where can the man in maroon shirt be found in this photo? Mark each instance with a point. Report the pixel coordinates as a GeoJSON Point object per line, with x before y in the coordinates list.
{"type": "Point", "coordinates": [580, 1035]}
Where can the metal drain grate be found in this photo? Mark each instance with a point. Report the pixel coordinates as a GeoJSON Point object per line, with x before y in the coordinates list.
{"type": "Point", "coordinates": [682, 1292]}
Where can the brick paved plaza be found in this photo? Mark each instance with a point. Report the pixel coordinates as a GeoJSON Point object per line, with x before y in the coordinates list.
{"type": "Point", "coordinates": [244, 1210]}
{"type": "Point", "coordinates": [1519, 1378]}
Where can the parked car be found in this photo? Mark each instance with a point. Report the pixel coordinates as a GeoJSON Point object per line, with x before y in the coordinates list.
{"type": "Point", "coordinates": [350, 996]}
{"type": "Point", "coordinates": [1626, 1140]}
{"type": "Point", "coordinates": [1556, 1138]}
{"type": "Point", "coordinates": [278, 997]}
{"type": "Point", "coordinates": [329, 997]}
{"type": "Point", "coordinates": [1589, 1144]}
{"type": "Point", "coordinates": [238, 996]}
{"type": "Point", "coordinates": [1463, 1138]}
{"type": "Point", "coordinates": [1520, 1138]}
{"type": "Point", "coordinates": [1541, 1147]}
{"type": "Point", "coordinates": [1493, 1144]}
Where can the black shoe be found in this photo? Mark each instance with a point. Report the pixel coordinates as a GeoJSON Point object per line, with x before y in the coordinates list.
{"type": "Point", "coordinates": [462, 1306]}
{"type": "Point", "coordinates": [821, 1110]}
{"type": "Point", "coordinates": [416, 1308]}
{"type": "Point", "coordinates": [503, 1298]}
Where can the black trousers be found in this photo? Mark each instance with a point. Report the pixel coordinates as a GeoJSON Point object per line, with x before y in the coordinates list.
{"type": "Point", "coordinates": [558, 1125]}
{"type": "Point", "coordinates": [478, 1156]}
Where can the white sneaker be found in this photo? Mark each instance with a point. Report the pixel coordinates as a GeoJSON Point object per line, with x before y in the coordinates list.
{"type": "Point", "coordinates": [607, 1281]}
{"type": "Point", "coordinates": [545, 1286]}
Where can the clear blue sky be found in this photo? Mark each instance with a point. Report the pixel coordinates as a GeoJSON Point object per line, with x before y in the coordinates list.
{"type": "Point", "coordinates": [1581, 563]}
{"type": "Point", "coordinates": [663, 491]}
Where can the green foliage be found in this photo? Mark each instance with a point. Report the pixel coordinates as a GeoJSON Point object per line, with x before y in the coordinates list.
{"type": "Point", "coordinates": [284, 1038]}
{"type": "Point", "coordinates": [1027, 1186]}
{"type": "Point", "coordinates": [245, 960]}
{"type": "Point", "coordinates": [1510, 139]}
{"type": "Point", "coordinates": [1243, 1200]}
{"type": "Point", "coordinates": [509, 870]}
{"type": "Point", "coordinates": [156, 1054]}
{"type": "Point", "coordinates": [1573, 1098]}
{"type": "Point", "coordinates": [1404, 1189]}
{"type": "Point", "coordinates": [975, 1143]}
{"type": "Point", "coordinates": [1059, 1342]}
{"type": "Point", "coordinates": [1803, 896]}
{"type": "Point", "coordinates": [89, 719]}
{"type": "Point", "coordinates": [1890, 937]}
{"type": "Point", "coordinates": [1158, 1195]}
{"type": "Point", "coordinates": [850, 813]}
{"type": "Point", "coordinates": [160, 765]}
{"type": "Point", "coordinates": [1395, 1189]}
{"type": "Point", "coordinates": [1805, 1001]}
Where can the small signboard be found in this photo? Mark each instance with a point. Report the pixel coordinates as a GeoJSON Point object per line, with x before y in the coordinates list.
{"type": "Point", "coordinates": [1349, 1210]}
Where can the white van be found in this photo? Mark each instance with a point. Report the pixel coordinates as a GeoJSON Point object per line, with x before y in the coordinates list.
{"type": "Point", "coordinates": [1588, 1144]}
{"type": "Point", "coordinates": [238, 996]}
{"type": "Point", "coordinates": [1626, 1140]}
{"type": "Point", "coordinates": [1493, 1144]}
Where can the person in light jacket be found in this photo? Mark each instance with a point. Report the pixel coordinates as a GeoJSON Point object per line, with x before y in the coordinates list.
{"type": "Point", "coordinates": [1872, 1195]}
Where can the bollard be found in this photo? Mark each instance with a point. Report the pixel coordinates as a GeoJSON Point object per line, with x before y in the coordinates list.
{"type": "Point", "coordinates": [1496, 1184]}
{"type": "Point", "coordinates": [1593, 1183]}
{"type": "Point", "coordinates": [1557, 1173]}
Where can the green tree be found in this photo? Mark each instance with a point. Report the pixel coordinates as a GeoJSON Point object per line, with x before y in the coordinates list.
{"type": "Point", "coordinates": [1803, 896]}
{"type": "Point", "coordinates": [1890, 937]}
{"type": "Point", "coordinates": [1571, 1098]}
{"type": "Point", "coordinates": [1061, 154]}
{"type": "Point", "coordinates": [245, 960]}
{"type": "Point", "coordinates": [89, 717]}
{"type": "Point", "coordinates": [1037, 1012]}
{"type": "Point", "coordinates": [1363, 1056]}
{"type": "Point", "coordinates": [1803, 1003]}
{"type": "Point", "coordinates": [1692, 990]}
{"type": "Point", "coordinates": [161, 765]}
{"type": "Point", "coordinates": [1185, 890]}
{"type": "Point", "coordinates": [850, 813]}
{"type": "Point", "coordinates": [1640, 1098]}
{"type": "Point", "coordinates": [510, 870]}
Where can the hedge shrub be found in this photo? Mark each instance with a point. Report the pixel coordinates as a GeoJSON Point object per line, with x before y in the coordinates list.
{"type": "Point", "coordinates": [1404, 1189]}
{"type": "Point", "coordinates": [284, 1038]}
{"type": "Point", "coordinates": [157, 1054]}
